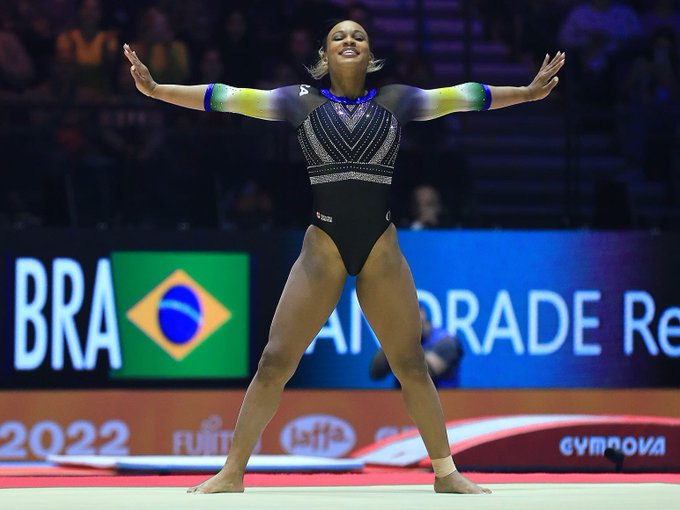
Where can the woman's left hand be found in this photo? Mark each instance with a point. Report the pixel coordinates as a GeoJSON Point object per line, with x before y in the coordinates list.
{"type": "Point", "coordinates": [546, 79]}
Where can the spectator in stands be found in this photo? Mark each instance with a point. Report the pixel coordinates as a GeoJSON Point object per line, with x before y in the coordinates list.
{"type": "Point", "coordinates": [598, 29]}
{"type": "Point", "coordinates": [360, 13]}
{"type": "Point", "coordinates": [651, 90]}
{"type": "Point", "coordinates": [132, 137]}
{"type": "Point", "coordinates": [664, 14]}
{"type": "Point", "coordinates": [60, 137]}
{"type": "Point", "coordinates": [427, 208]}
{"type": "Point", "coordinates": [282, 73]}
{"type": "Point", "coordinates": [54, 115]}
{"type": "Point", "coordinates": [196, 23]}
{"type": "Point", "coordinates": [16, 69]}
{"type": "Point", "coordinates": [300, 53]}
{"type": "Point", "coordinates": [428, 148]}
{"type": "Point", "coordinates": [56, 15]}
{"type": "Point", "coordinates": [166, 56]}
{"type": "Point", "coordinates": [238, 50]}
{"type": "Point", "coordinates": [38, 22]}
{"type": "Point", "coordinates": [94, 49]}
{"type": "Point", "coordinates": [16, 65]}
{"type": "Point", "coordinates": [595, 33]}
{"type": "Point", "coordinates": [526, 27]}
{"type": "Point", "coordinates": [501, 18]}
{"type": "Point", "coordinates": [211, 67]}
{"type": "Point", "coordinates": [443, 353]}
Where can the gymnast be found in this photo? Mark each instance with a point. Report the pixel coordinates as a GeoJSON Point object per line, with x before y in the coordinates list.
{"type": "Point", "coordinates": [350, 138]}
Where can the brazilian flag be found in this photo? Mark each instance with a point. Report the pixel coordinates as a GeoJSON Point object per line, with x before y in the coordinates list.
{"type": "Point", "coordinates": [182, 314]}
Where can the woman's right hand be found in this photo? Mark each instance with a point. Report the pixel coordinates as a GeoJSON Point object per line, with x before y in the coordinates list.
{"type": "Point", "coordinates": [143, 80]}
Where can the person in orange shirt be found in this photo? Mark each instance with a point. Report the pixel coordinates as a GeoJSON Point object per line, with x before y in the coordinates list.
{"type": "Point", "coordinates": [93, 48]}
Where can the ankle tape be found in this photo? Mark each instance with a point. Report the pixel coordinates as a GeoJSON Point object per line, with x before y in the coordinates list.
{"type": "Point", "coordinates": [443, 467]}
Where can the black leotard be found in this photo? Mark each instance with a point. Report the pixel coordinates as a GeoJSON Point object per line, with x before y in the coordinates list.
{"type": "Point", "coordinates": [350, 148]}
{"type": "Point", "coordinates": [350, 151]}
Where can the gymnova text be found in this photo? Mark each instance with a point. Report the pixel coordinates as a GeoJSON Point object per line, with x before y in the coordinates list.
{"type": "Point", "coordinates": [594, 446]}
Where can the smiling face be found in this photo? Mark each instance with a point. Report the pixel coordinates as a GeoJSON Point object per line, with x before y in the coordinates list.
{"type": "Point", "coordinates": [347, 45]}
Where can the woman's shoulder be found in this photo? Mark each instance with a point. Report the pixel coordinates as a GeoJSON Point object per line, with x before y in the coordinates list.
{"type": "Point", "coordinates": [399, 99]}
{"type": "Point", "coordinates": [397, 91]}
{"type": "Point", "coordinates": [297, 101]}
{"type": "Point", "coordinates": [397, 88]}
{"type": "Point", "coordinates": [299, 90]}
{"type": "Point", "coordinates": [390, 86]}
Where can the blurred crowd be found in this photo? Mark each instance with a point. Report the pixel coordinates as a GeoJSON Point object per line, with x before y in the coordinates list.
{"type": "Point", "coordinates": [81, 147]}
{"type": "Point", "coordinates": [623, 72]}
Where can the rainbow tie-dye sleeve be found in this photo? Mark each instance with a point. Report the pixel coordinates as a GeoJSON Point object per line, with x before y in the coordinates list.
{"type": "Point", "coordinates": [260, 104]}
{"type": "Point", "coordinates": [430, 104]}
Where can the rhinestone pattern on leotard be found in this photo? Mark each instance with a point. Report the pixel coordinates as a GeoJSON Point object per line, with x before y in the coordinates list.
{"type": "Point", "coordinates": [336, 134]}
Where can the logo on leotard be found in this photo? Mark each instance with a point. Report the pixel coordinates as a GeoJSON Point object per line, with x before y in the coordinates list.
{"type": "Point", "coordinates": [388, 216]}
{"type": "Point", "coordinates": [304, 89]}
{"type": "Point", "coordinates": [323, 217]}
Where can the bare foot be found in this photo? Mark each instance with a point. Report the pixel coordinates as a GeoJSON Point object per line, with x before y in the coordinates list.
{"type": "Point", "coordinates": [221, 482]}
{"type": "Point", "coordinates": [457, 483]}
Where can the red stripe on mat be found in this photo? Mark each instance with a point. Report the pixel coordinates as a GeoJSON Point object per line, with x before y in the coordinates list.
{"type": "Point", "coordinates": [326, 479]}
{"type": "Point", "coordinates": [53, 471]}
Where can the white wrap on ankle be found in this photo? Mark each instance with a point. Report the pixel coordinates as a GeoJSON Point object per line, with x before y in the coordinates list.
{"type": "Point", "coordinates": [443, 467]}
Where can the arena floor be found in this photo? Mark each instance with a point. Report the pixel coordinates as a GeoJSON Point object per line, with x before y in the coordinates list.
{"type": "Point", "coordinates": [39, 488]}
{"type": "Point", "coordinates": [567, 496]}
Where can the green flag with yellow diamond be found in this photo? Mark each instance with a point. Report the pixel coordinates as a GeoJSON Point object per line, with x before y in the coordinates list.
{"type": "Point", "coordinates": [182, 314]}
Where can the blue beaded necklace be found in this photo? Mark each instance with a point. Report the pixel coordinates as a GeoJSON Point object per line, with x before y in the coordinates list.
{"type": "Point", "coordinates": [345, 100]}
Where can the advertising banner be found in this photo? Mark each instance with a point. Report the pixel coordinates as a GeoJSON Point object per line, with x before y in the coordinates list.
{"type": "Point", "coordinates": [193, 309]}
{"type": "Point", "coordinates": [103, 310]}
{"type": "Point", "coordinates": [331, 423]}
{"type": "Point", "coordinates": [545, 442]}
{"type": "Point", "coordinates": [530, 310]}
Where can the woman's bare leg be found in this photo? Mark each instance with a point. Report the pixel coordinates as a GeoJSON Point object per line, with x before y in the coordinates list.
{"type": "Point", "coordinates": [387, 295]}
{"type": "Point", "coordinates": [311, 292]}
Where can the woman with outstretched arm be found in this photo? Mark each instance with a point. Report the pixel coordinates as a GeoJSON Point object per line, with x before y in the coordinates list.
{"type": "Point", "coordinates": [350, 138]}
